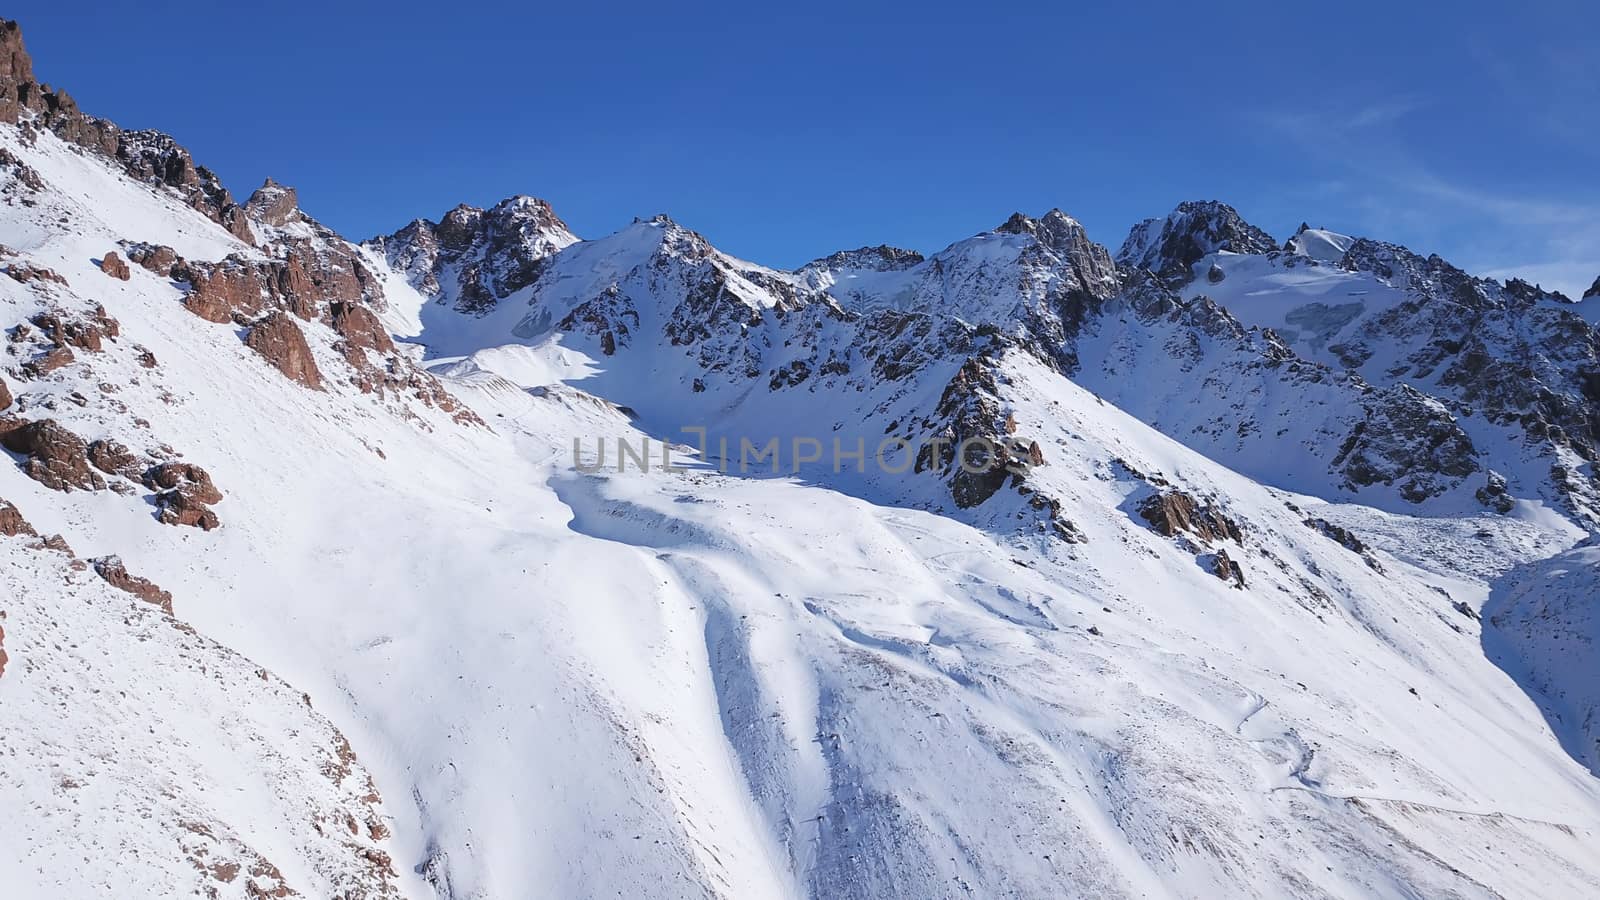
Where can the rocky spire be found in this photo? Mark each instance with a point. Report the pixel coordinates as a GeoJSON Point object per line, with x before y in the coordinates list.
{"type": "Point", "coordinates": [1170, 247]}
{"type": "Point", "coordinates": [1594, 289]}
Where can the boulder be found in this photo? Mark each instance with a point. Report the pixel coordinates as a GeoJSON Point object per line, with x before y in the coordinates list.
{"type": "Point", "coordinates": [113, 458]}
{"type": "Point", "coordinates": [113, 265]}
{"type": "Point", "coordinates": [5, 396]}
{"type": "Point", "coordinates": [187, 477]}
{"type": "Point", "coordinates": [181, 507]}
{"type": "Point", "coordinates": [281, 342]}
{"type": "Point", "coordinates": [115, 574]}
{"type": "Point", "coordinates": [1174, 511]}
{"type": "Point", "coordinates": [56, 458]}
{"type": "Point", "coordinates": [1226, 569]}
{"type": "Point", "coordinates": [153, 257]}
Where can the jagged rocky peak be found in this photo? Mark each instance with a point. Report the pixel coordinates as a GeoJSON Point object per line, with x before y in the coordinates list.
{"type": "Point", "coordinates": [1171, 246]}
{"type": "Point", "coordinates": [146, 155]}
{"type": "Point", "coordinates": [1064, 238]}
{"type": "Point", "coordinates": [1594, 289]}
{"type": "Point", "coordinates": [472, 257]}
{"type": "Point", "coordinates": [882, 258]}
{"type": "Point", "coordinates": [274, 204]}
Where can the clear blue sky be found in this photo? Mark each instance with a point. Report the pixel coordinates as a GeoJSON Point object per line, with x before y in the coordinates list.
{"type": "Point", "coordinates": [1472, 130]}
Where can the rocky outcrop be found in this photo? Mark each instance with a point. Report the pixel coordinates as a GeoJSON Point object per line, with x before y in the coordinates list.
{"type": "Point", "coordinates": [1226, 569]}
{"type": "Point", "coordinates": [360, 328]}
{"type": "Point", "coordinates": [219, 290]}
{"type": "Point", "coordinates": [472, 258]}
{"type": "Point", "coordinates": [273, 204]}
{"type": "Point", "coordinates": [113, 458]}
{"type": "Point", "coordinates": [184, 495]}
{"type": "Point", "coordinates": [1171, 246]}
{"type": "Point", "coordinates": [83, 332]}
{"type": "Point", "coordinates": [5, 396]}
{"type": "Point", "coordinates": [26, 273]}
{"type": "Point", "coordinates": [152, 257]}
{"type": "Point", "coordinates": [55, 457]}
{"type": "Point", "coordinates": [882, 258]}
{"type": "Point", "coordinates": [149, 156]}
{"type": "Point", "coordinates": [186, 477]}
{"type": "Point", "coordinates": [113, 265]}
{"type": "Point", "coordinates": [1593, 291]}
{"type": "Point", "coordinates": [115, 574]}
{"type": "Point", "coordinates": [281, 342]}
{"type": "Point", "coordinates": [12, 524]}
{"type": "Point", "coordinates": [1172, 512]}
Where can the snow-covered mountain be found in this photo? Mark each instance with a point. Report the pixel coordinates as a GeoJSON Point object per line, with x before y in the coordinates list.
{"type": "Point", "coordinates": [1205, 568]}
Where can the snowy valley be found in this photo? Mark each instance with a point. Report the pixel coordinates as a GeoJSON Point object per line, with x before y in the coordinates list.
{"type": "Point", "coordinates": [1281, 581]}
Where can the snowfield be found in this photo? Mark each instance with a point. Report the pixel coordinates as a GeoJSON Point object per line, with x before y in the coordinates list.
{"type": "Point", "coordinates": [691, 682]}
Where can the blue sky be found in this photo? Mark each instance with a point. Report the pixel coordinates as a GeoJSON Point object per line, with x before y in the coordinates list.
{"type": "Point", "coordinates": [785, 133]}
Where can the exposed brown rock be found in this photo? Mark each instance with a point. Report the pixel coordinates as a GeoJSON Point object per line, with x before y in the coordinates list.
{"type": "Point", "coordinates": [281, 342]}
{"type": "Point", "coordinates": [146, 358]}
{"type": "Point", "coordinates": [73, 331]}
{"type": "Point", "coordinates": [49, 362]}
{"type": "Point", "coordinates": [5, 396]}
{"type": "Point", "coordinates": [3, 657]}
{"type": "Point", "coordinates": [273, 204]}
{"type": "Point", "coordinates": [1226, 569]}
{"type": "Point", "coordinates": [115, 574]}
{"type": "Point", "coordinates": [113, 265]}
{"type": "Point", "coordinates": [57, 458]}
{"type": "Point", "coordinates": [153, 257]}
{"type": "Point", "coordinates": [25, 273]}
{"type": "Point", "coordinates": [12, 524]}
{"type": "Point", "coordinates": [181, 507]}
{"type": "Point", "coordinates": [1175, 511]}
{"type": "Point", "coordinates": [360, 327]}
{"type": "Point", "coordinates": [184, 476]}
{"type": "Point", "coordinates": [113, 458]}
{"type": "Point", "coordinates": [218, 290]}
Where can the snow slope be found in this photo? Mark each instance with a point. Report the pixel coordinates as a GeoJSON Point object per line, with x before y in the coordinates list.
{"type": "Point", "coordinates": [691, 682]}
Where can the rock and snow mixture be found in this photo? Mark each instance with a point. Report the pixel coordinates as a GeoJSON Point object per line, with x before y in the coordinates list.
{"type": "Point", "coordinates": [1278, 579]}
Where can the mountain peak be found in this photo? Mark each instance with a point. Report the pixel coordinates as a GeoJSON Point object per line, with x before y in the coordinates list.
{"type": "Point", "coordinates": [1594, 289]}
{"type": "Point", "coordinates": [882, 258]}
{"type": "Point", "coordinates": [273, 204]}
{"type": "Point", "coordinates": [1172, 245]}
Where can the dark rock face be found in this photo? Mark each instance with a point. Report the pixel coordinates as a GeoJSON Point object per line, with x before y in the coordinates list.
{"type": "Point", "coordinates": [1174, 511]}
{"type": "Point", "coordinates": [156, 158]}
{"type": "Point", "coordinates": [281, 342]}
{"type": "Point", "coordinates": [187, 477]}
{"type": "Point", "coordinates": [115, 574]}
{"type": "Point", "coordinates": [56, 458]}
{"type": "Point", "coordinates": [1226, 569]}
{"type": "Point", "coordinates": [882, 258]}
{"type": "Point", "coordinates": [1495, 494]}
{"type": "Point", "coordinates": [473, 258]}
{"type": "Point", "coordinates": [1594, 290]}
{"type": "Point", "coordinates": [1170, 247]}
{"type": "Point", "coordinates": [5, 396]}
{"type": "Point", "coordinates": [1409, 441]}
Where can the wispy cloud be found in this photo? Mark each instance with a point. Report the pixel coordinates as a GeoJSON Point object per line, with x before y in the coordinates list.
{"type": "Point", "coordinates": [1554, 242]}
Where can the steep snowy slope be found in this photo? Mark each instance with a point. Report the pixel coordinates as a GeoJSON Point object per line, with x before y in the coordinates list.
{"type": "Point", "coordinates": [1099, 664]}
